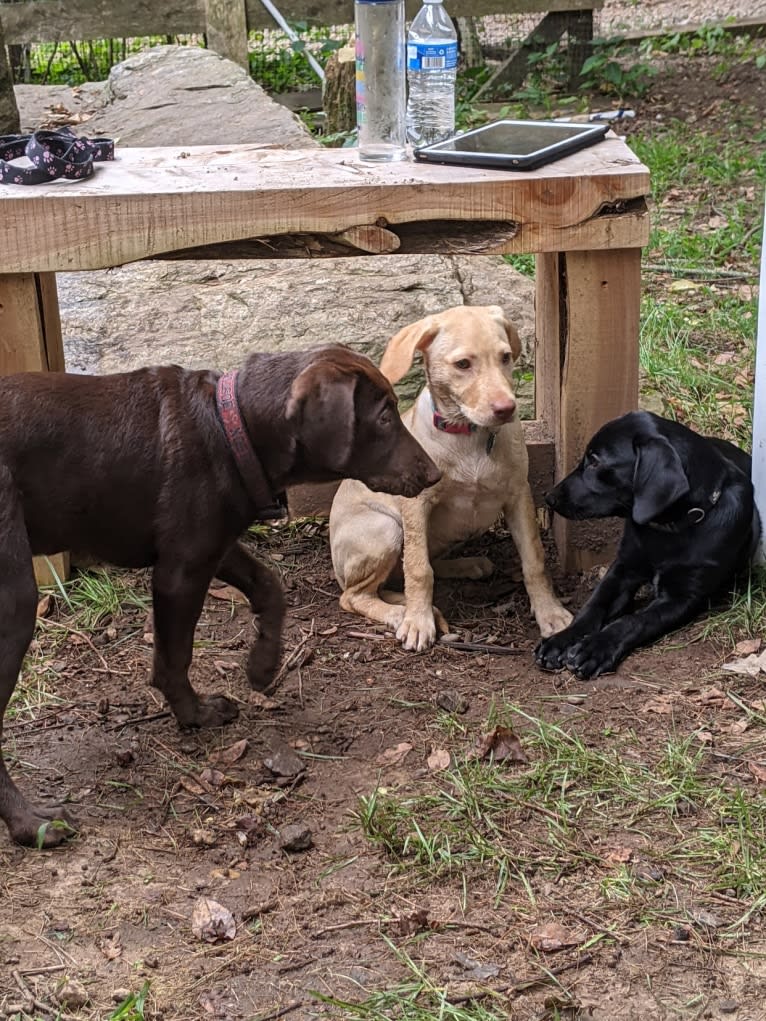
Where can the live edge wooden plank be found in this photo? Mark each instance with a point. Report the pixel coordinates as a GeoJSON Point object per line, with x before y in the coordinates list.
{"type": "Point", "coordinates": [30, 341]}
{"type": "Point", "coordinates": [151, 201]}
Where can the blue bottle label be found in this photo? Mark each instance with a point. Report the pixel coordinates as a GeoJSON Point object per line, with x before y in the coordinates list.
{"type": "Point", "coordinates": [427, 57]}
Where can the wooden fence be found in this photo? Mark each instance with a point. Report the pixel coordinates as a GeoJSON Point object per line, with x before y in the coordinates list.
{"type": "Point", "coordinates": [224, 22]}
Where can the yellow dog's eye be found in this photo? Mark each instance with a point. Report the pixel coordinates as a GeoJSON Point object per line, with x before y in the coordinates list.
{"type": "Point", "coordinates": [464, 363]}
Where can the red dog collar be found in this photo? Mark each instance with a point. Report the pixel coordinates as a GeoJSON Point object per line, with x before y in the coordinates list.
{"type": "Point", "coordinates": [445, 426]}
{"type": "Point", "coordinates": [268, 506]}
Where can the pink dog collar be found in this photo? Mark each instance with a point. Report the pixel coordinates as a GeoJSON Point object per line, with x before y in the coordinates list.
{"type": "Point", "coordinates": [268, 506]}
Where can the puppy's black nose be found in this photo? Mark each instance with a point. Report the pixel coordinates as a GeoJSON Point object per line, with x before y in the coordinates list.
{"type": "Point", "coordinates": [550, 499]}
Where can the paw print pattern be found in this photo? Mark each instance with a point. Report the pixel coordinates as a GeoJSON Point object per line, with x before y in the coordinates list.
{"type": "Point", "coordinates": [53, 154]}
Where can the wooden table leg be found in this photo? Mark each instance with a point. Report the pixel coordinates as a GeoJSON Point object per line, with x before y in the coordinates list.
{"type": "Point", "coordinates": [30, 341]}
{"type": "Point", "coordinates": [587, 312]}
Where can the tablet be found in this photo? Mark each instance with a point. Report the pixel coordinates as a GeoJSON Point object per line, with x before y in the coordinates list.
{"type": "Point", "coordinates": [513, 145]}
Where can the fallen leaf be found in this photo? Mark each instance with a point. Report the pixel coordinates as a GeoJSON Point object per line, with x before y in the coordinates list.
{"type": "Point", "coordinates": [438, 759]}
{"type": "Point", "coordinates": [230, 593]}
{"type": "Point", "coordinates": [747, 646]}
{"type": "Point", "coordinates": [214, 777]}
{"type": "Point", "coordinates": [211, 921]}
{"type": "Point", "coordinates": [501, 744]}
{"type": "Point", "coordinates": [110, 946]}
{"type": "Point", "coordinates": [750, 665]}
{"type": "Point", "coordinates": [409, 925]}
{"type": "Point", "coordinates": [619, 855]}
{"type": "Point", "coordinates": [230, 755]}
{"type": "Point", "coordinates": [758, 771]}
{"type": "Point", "coordinates": [260, 700]}
{"type": "Point", "coordinates": [44, 606]}
{"type": "Point", "coordinates": [684, 285]}
{"type": "Point", "coordinates": [723, 358]}
{"type": "Point", "coordinates": [663, 705]}
{"type": "Point", "coordinates": [713, 697]}
{"type": "Point", "coordinates": [478, 971]}
{"type": "Point", "coordinates": [552, 936]}
{"type": "Point", "coordinates": [394, 756]}
{"type": "Point", "coordinates": [738, 727]}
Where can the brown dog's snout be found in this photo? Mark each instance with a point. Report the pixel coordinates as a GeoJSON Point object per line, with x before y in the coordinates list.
{"type": "Point", "coordinates": [432, 474]}
{"type": "Point", "coordinates": [504, 409]}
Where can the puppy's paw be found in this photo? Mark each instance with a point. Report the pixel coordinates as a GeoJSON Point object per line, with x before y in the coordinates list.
{"type": "Point", "coordinates": [214, 711]}
{"type": "Point", "coordinates": [41, 827]}
{"type": "Point", "coordinates": [417, 631]}
{"type": "Point", "coordinates": [551, 653]}
{"type": "Point", "coordinates": [552, 618]}
{"type": "Point", "coordinates": [592, 656]}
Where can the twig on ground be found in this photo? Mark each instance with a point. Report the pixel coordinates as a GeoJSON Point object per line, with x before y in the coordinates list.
{"type": "Point", "coordinates": [497, 650]}
{"type": "Point", "coordinates": [519, 987]}
{"type": "Point", "coordinates": [30, 997]}
{"type": "Point", "coordinates": [344, 925]}
{"type": "Point", "coordinates": [697, 274]}
{"type": "Point", "coordinates": [281, 1012]}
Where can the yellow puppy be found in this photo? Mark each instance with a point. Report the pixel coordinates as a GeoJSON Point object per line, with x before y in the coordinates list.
{"type": "Point", "coordinates": [465, 418]}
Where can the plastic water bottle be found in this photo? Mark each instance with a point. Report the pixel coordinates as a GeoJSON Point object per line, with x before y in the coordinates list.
{"type": "Point", "coordinates": [431, 73]}
{"type": "Point", "coordinates": [380, 79]}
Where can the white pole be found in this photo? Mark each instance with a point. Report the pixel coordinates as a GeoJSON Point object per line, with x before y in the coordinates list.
{"type": "Point", "coordinates": [759, 406]}
{"type": "Point", "coordinates": [277, 16]}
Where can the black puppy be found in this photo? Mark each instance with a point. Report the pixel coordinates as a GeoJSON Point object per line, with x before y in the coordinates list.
{"type": "Point", "coordinates": [691, 525]}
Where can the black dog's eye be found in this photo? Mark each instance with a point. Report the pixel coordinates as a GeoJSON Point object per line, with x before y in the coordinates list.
{"type": "Point", "coordinates": [506, 358]}
{"type": "Point", "coordinates": [464, 363]}
{"type": "Point", "coordinates": [591, 461]}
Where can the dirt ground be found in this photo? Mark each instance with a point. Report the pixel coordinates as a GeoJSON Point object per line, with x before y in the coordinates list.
{"type": "Point", "coordinates": [170, 818]}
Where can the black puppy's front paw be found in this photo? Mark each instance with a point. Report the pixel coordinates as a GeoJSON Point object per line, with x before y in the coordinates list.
{"type": "Point", "coordinates": [551, 653]}
{"type": "Point", "coordinates": [593, 655]}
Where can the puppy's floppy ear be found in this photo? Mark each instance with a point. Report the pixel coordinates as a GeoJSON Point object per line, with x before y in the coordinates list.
{"type": "Point", "coordinates": [401, 349]}
{"type": "Point", "coordinates": [659, 478]}
{"type": "Point", "coordinates": [513, 337]}
{"type": "Point", "coordinates": [321, 410]}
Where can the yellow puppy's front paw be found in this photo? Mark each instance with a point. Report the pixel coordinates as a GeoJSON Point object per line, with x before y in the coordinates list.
{"type": "Point", "coordinates": [417, 631]}
{"type": "Point", "coordinates": [552, 618]}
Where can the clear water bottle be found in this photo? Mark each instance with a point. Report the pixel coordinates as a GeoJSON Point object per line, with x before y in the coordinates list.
{"type": "Point", "coordinates": [380, 79]}
{"type": "Point", "coordinates": [431, 73]}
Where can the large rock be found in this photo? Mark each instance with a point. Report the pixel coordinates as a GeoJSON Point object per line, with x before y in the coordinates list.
{"type": "Point", "coordinates": [169, 95]}
{"type": "Point", "coordinates": [213, 313]}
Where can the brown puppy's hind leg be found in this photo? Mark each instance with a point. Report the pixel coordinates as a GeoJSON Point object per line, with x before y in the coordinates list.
{"type": "Point", "coordinates": [264, 591]}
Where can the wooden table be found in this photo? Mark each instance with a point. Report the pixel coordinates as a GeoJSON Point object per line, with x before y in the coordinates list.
{"type": "Point", "coordinates": [584, 217]}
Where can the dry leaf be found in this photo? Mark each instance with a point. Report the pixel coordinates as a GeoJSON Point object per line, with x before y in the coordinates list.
{"type": "Point", "coordinates": [619, 855]}
{"type": "Point", "coordinates": [229, 592]}
{"type": "Point", "coordinates": [213, 777]}
{"type": "Point", "coordinates": [684, 285]}
{"type": "Point", "coordinates": [438, 759]}
{"type": "Point", "coordinates": [747, 646]}
{"type": "Point", "coordinates": [723, 358]}
{"type": "Point", "coordinates": [409, 925]}
{"type": "Point", "coordinates": [230, 755]}
{"type": "Point", "coordinates": [758, 771]}
{"type": "Point", "coordinates": [552, 936]}
{"type": "Point", "coordinates": [257, 698]}
{"type": "Point", "coordinates": [394, 756]}
{"type": "Point", "coordinates": [663, 705]}
{"type": "Point", "coordinates": [501, 744]}
{"type": "Point", "coordinates": [712, 696]}
{"type": "Point", "coordinates": [738, 727]}
{"type": "Point", "coordinates": [44, 606]}
{"type": "Point", "coordinates": [750, 666]}
{"type": "Point", "coordinates": [110, 946]}
{"type": "Point", "coordinates": [211, 921]}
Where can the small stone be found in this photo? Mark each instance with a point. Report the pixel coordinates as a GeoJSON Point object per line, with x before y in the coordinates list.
{"type": "Point", "coordinates": [124, 757]}
{"type": "Point", "coordinates": [151, 962]}
{"type": "Point", "coordinates": [451, 701]}
{"type": "Point", "coordinates": [119, 995]}
{"type": "Point", "coordinates": [283, 761]}
{"type": "Point", "coordinates": [72, 995]}
{"type": "Point", "coordinates": [295, 837]}
{"type": "Point", "coordinates": [728, 1006]}
{"type": "Point", "coordinates": [681, 934]}
{"type": "Point", "coordinates": [203, 837]}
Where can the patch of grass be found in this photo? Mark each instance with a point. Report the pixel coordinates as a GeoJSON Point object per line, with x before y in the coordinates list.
{"type": "Point", "coordinates": [592, 812]}
{"type": "Point", "coordinates": [417, 998]}
{"type": "Point", "coordinates": [744, 617]}
{"type": "Point", "coordinates": [93, 597]}
{"type": "Point", "coordinates": [132, 1007]}
{"type": "Point", "coordinates": [697, 355]}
